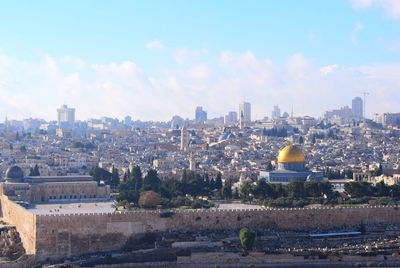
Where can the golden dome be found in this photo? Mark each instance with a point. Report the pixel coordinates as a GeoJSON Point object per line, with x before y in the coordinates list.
{"type": "Point", "coordinates": [290, 153]}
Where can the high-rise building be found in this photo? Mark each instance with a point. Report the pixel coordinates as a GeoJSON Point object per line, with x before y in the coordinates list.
{"type": "Point", "coordinates": [128, 120]}
{"type": "Point", "coordinates": [276, 112]}
{"type": "Point", "coordinates": [344, 112]}
{"type": "Point", "coordinates": [244, 113]}
{"type": "Point", "coordinates": [388, 119]}
{"type": "Point", "coordinates": [230, 118]}
{"type": "Point", "coordinates": [357, 107]}
{"type": "Point", "coordinates": [177, 122]}
{"type": "Point", "coordinates": [66, 117]}
{"type": "Point", "coordinates": [200, 115]}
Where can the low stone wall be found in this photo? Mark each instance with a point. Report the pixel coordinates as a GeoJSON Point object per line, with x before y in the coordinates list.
{"type": "Point", "coordinates": [70, 235]}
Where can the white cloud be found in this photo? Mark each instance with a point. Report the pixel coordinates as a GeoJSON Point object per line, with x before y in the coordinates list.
{"type": "Point", "coordinates": [117, 89]}
{"type": "Point", "coordinates": [155, 44]}
{"type": "Point", "coordinates": [189, 56]}
{"type": "Point", "coordinates": [390, 7]}
{"type": "Point", "coordinates": [79, 63]}
{"type": "Point", "coordinates": [353, 36]}
{"type": "Point", "coordinates": [328, 69]}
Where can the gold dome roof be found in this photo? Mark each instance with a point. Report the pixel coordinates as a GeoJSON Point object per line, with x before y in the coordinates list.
{"type": "Point", "coordinates": [290, 153]}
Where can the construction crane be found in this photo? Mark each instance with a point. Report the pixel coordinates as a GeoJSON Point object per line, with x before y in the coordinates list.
{"type": "Point", "coordinates": [365, 93]}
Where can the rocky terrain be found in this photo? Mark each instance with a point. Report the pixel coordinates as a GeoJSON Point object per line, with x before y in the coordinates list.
{"type": "Point", "coordinates": [11, 247]}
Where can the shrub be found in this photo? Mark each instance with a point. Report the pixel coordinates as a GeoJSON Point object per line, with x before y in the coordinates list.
{"type": "Point", "coordinates": [247, 238]}
{"type": "Point", "coordinates": [149, 199]}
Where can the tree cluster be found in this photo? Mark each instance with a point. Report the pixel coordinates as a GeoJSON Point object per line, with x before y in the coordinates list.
{"type": "Point", "coordinates": [34, 171]}
{"type": "Point", "coordinates": [86, 145]}
{"type": "Point", "coordinates": [358, 189]}
{"type": "Point", "coordinates": [275, 132]}
{"type": "Point", "coordinates": [333, 174]}
{"type": "Point", "coordinates": [173, 192]}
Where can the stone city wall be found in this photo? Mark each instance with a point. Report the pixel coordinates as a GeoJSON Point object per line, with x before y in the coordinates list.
{"type": "Point", "coordinates": [24, 221]}
{"type": "Point", "coordinates": [75, 234]}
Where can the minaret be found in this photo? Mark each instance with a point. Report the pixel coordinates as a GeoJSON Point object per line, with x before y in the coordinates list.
{"type": "Point", "coordinates": [184, 138]}
{"type": "Point", "coordinates": [241, 121]}
{"type": "Point", "coordinates": [291, 114]}
{"type": "Point", "coordinates": [6, 125]}
{"type": "Point", "coordinates": [192, 163]}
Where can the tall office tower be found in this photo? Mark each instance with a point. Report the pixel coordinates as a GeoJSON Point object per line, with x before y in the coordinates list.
{"type": "Point", "coordinates": [276, 112]}
{"type": "Point", "coordinates": [245, 112]}
{"type": "Point", "coordinates": [200, 115]}
{"type": "Point", "coordinates": [128, 120]}
{"type": "Point", "coordinates": [66, 117]}
{"type": "Point", "coordinates": [357, 107]}
{"type": "Point", "coordinates": [184, 138]}
{"type": "Point", "coordinates": [230, 118]}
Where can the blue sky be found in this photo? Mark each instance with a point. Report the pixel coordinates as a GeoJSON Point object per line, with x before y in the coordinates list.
{"type": "Point", "coordinates": [175, 55]}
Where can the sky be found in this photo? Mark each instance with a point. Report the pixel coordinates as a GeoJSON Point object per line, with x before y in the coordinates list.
{"type": "Point", "coordinates": [156, 59]}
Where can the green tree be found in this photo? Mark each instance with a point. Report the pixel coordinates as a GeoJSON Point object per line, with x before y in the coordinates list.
{"type": "Point", "coordinates": [349, 174]}
{"type": "Point", "coordinates": [247, 238]}
{"type": "Point", "coordinates": [378, 171]}
{"type": "Point", "coordinates": [34, 171]}
{"type": "Point", "coordinates": [395, 190]}
{"type": "Point", "coordinates": [136, 177]}
{"type": "Point", "coordinates": [100, 174]}
{"type": "Point", "coordinates": [218, 182]}
{"type": "Point", "coordinates": [114, 177]}
{"type": "Point", "coordinates": [358, 189]}
{"type": "Point", "coordinates": [296, 189]}
{"type": "Point", "coordinates": [279, 190]}
{"type": "Point", "coordinates": [236, 193]}
{"type": "Point", "coordinates": [226, 192]}
{"type": "Point", "coordinates": [269, 166]}
{"type": "Point", "coordinates": [313, 140]}
{"type": "Point", "coordinates": [246, 191]}
{"type": "Point", "coordinates": [382, 189]}
{"type": "Point", "coordinates": [263, 189]}
{"type": "Point", "coordinates": [151, 180]}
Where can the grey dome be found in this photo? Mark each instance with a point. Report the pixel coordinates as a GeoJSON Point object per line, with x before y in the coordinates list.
{"type": "Point", "coordinates": [14, 173]}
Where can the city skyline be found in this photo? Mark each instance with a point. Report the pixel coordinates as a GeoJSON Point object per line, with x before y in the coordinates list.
{"type": "Point", "coordinates": [130, 59]}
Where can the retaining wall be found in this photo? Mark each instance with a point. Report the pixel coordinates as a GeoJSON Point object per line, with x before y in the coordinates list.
{"type": "Point", "coordinates": [75, 234]}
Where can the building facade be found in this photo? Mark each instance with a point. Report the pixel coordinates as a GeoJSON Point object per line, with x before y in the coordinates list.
{"type": "Point", "coordinates": [200, 115]}
{"type": "Point", "coordinates": [43, 189]}
{"type": "Point", "coordinates": [291, 167]}
{"type": "Point", "coordinates": [244, 113]}
{"type": "Point", "coordinates": [357, 107]}
{"type": "Point", "coordinates": [66, 117]}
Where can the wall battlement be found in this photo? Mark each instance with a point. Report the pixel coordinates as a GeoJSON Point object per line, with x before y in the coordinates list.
{"type": "Point", "coordinates": [65, 235]}
{"type": "Point", "coordinates": [189, 211]}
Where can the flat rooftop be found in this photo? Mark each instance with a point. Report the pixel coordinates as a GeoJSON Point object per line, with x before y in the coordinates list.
{"type": "Point", "coordinates": [73, 208]}
{"type": "Point", "coordinates": [236, 205]}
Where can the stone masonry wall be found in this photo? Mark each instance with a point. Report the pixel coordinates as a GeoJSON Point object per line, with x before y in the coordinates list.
{"type": "Point", "coordinates": [70, 235]}
{"type": "Point", "coordinates": [24, 221]}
